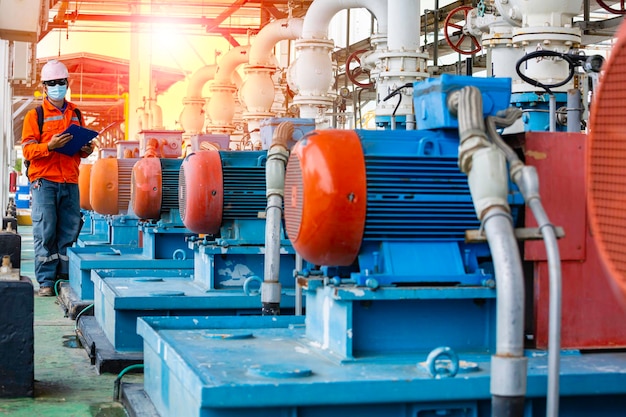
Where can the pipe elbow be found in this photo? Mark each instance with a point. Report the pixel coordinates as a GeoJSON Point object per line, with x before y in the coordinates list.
{"type": "Point", "coordinates": [270, 35]}
{"type": "Point", "coordinates": [229, 63]}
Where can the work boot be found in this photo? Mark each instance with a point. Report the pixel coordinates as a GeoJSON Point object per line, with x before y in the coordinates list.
{"type": "Point", "coordinates": [46, 291]}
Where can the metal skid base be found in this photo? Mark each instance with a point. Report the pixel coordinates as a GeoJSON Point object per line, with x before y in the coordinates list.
{"type": "Point", "coordinates": [119, 301]}
{"type": "Point", "coordinates": [136, 402]}
{"type": "Point", "coordinates": [262, 367]}
{"type": "Point", "coordinates": [71, 304]}
{"type": "Point", "coordinates": [100, 351]}
{"type": "Point", "coordinates": [83, 260]}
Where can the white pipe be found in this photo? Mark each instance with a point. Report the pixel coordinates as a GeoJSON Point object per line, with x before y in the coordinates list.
{"type": "Point", "coordinates": [199, 79]}
{"type": "Point", "coordinates": [222, 103]}
{"type": "Point", "coordinates": [320, 13]}
{"type": "Point", "coordinates": [258, 91]}
{"type": "Point", "coordinates": [229, 63]}
{"type": "Point", "coordinates": [404, 25]}
{"type": "Point", "coordinates": [269, 36]}
{"type": "Point", "coordinates": [157, 115]}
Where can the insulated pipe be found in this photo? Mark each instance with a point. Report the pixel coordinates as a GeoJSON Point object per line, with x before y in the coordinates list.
{"type": "Point", "coordinates": [192, 117]}
{"type": "Point", "coordinates": [157, 115]}
{"type": "Point", "coordinates": [320, 13]}
{"type": "Point", "coordinates": [277, 157]}
{"type": "Point", "coordinates": [403, 32]}
{"type": "Point", "coordinates": [258, 92]}
{"type": "Point", "coordinates": [401, 62]}
{"type": "Point", "coordinates": [222, 102]}
{"type": "Point", "coordinates": [548, 23]}
{"type": "Point", "coordinates": [229, 63]}
{"type": "Point", "coordinates": [312, 71]}
{"type": "Point", "coordinates": [269, 36]}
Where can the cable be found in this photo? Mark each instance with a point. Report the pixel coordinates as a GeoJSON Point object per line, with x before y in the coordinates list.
{"type": "Point", "coordinates": [397, 92]}
{"type": "Point", "coordinates": [56, 288]}
{"type": "Point", "coordinates": [542, 54]}
{"type": "Point", "coordinates": [118, 381]}
{"type": "Point", "coordinates": [79, 314]}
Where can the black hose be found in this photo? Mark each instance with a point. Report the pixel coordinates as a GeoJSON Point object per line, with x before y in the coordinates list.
{"type": "Point", "coordinates": [542, 54]}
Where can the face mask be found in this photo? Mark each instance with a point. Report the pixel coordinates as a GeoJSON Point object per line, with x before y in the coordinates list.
{"type": "Point", "coordinates": [57, 92]}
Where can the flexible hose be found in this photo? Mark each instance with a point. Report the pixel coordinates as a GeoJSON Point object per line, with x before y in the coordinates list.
{"type": "Point", "coordinates": [526, 179]}
{"type": "Point", "coordinates": [508, 367]}
{"type": "Point", "coordinates": [56, 286]}
{"type": "Point", "coordinates": [80, 314]}
{"type": "Point", "coordinates": [554, 321]}
{"type": "Point", "coordinates": [118, 381]}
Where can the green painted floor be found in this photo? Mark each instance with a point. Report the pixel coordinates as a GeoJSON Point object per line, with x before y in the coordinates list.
{"type": "Point", "coordinates": [66, 384]}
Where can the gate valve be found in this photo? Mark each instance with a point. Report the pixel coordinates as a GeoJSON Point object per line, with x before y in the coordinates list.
{"type": "Point", "coordinates": [457, 46]}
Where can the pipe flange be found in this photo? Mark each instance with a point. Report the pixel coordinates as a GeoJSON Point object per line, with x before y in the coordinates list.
{"type": "Point", "coordinates": [495, 40]}
{"type": "Point", "coordinates": [259, 69]}
{"type": "Point", "coordinates": [523, 37]}
{"type": "Point", "coordinates": [314, 43]}
{"type": "Point", "coordinates": [319, 101]}
{"type": "Point", "coordinates": [403, 54]}
{"type": "Point", "coordinates": [222, 88]}
{"type": "Point", "coordinates": [256, 115]}
{"type": "Point", "coordinates": [193, 100]}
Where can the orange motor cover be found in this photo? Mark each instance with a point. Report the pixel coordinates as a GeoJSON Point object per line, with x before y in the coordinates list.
{"type": "Point", "coordinates": [104, 186]}
{"type": "Point", "coordinates": [84, 178]}
{"type": "Point", "coordinates": [326, 197]}
{"type": "Point", "coordinates": [146, 188]}
{"type": "Point", "coordinates": [201, 192]}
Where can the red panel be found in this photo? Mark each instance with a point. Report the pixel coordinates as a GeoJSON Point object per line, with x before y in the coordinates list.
{"type": "Point", "coordinates": [591, 313]}
{"type": "Point", "coordinates": [326, 197]}
{"type": "Point", "coordinates": [592, 316]}
{"type": "Point", "coordinates": [559, 160]}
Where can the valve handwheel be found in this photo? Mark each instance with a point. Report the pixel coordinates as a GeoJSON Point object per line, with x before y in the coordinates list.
{"type": "Point", "coordinates": [621, 10]}
{"type": "Point", "coordinates": [353, 74]}
{"type": "Point", "coordinates": [457, 45]}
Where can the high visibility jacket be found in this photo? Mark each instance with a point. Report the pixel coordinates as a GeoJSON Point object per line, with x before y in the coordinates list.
{"type": "Point", "coordinates": [50, 165]}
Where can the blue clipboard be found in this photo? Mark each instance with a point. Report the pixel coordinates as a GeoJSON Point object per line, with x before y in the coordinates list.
{"type": "Point", "coordinates": [81, 136]}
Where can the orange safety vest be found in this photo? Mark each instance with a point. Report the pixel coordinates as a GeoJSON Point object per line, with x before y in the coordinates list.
{"type": "Point", "coordinates": [49, 165]}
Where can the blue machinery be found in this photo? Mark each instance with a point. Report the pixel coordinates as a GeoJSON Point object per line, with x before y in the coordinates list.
{"type": "Point", "coordinates": [228, 260]}
{"type": "Point", "coordinates": [161, 245]}
{"type": "Point", "coordinates": [403, 318]}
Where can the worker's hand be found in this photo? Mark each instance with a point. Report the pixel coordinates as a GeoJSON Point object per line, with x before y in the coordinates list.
{"type": "Point", "coordinates": [87, 148]}
{"type": "Point", "coordinates": [58, 141]}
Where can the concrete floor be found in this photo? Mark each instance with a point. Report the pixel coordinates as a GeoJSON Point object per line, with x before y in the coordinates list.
{"type": "Point", "coordinates": [66, 384]}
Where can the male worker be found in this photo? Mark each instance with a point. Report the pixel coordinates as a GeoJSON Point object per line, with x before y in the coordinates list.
{"type": "Point", "coordinates": [53, 177]}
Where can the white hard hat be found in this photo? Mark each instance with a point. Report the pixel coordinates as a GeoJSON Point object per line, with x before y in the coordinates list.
{"type": "Point", "coordinates": [54, 70]}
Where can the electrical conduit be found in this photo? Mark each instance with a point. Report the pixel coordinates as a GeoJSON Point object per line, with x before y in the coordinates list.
{"type": "Point", "coordinates": [485, 166]}
{"type": "Point", "coordinates": [526, 179]}
{"type": "Point", "coordinates": [277, 157]}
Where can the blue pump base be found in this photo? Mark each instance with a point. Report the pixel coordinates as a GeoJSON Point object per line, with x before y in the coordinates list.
{"type": "Point", "coordinates": [281, 373]}
{"type": "Point", "coordinates": [83, 260]}
{"type": "Point", "coordinates": [225, 282]}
